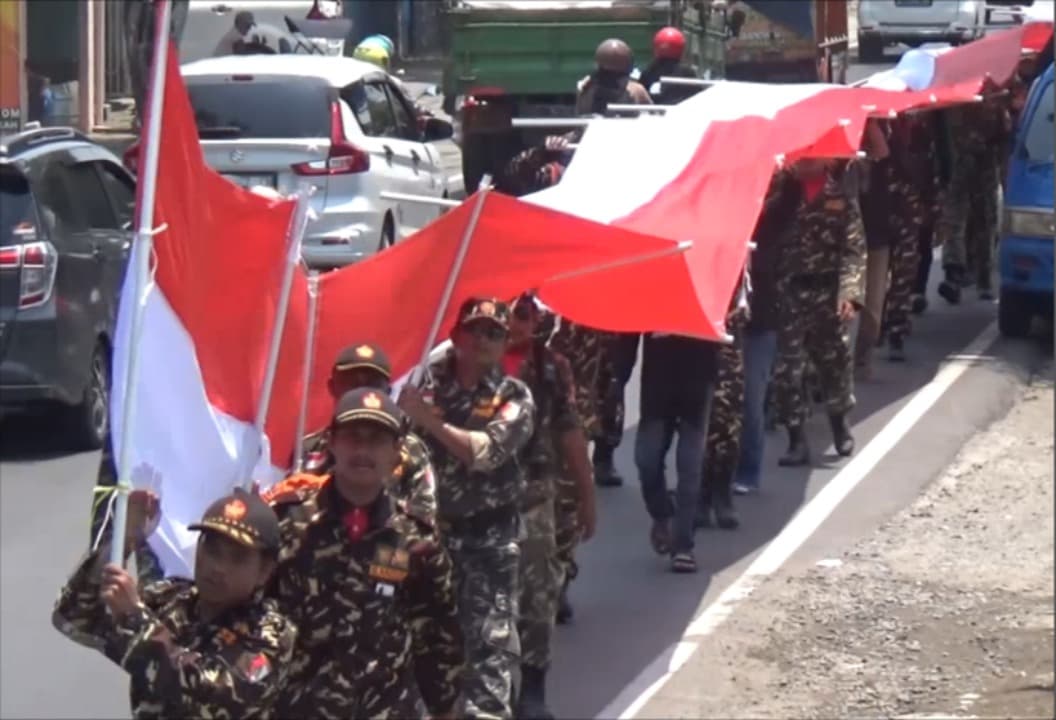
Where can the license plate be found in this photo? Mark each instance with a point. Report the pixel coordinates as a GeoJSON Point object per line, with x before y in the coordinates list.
{"type": "Point", "coordinates": [913, 3]}
{"type": "Point", "coordinates": [248, 180]}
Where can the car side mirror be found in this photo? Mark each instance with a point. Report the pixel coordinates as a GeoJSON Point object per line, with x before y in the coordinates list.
{"type": "Point", "coordinates": [436, 129]}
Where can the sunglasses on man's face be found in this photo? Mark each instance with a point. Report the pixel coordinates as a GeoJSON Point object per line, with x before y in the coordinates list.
{"type": "Point", "coordinates": [486, 330]}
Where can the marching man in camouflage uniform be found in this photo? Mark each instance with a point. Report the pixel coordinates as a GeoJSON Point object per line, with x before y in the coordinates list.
{"type": "Point", "coordinates": [214, 647]}
{"type": "Point", "coordinates": [821, 269]}
{"type": "Point", "coordinates": [558, 436]}
{"type": "Point", "coordinates": [363, 576]}
{"type": "Point", "coordinates": [477, 421]}
{"type": "Point", "coordinates": [365, 365]}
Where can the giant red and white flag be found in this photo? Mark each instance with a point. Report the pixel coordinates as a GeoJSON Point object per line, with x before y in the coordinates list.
{"type": "Point", "coordinates": [207, 324]}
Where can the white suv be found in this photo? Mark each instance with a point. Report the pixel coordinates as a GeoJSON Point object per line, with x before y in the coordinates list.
{"type": "Point", "coordinates": [338, 124]}
{"type": "Point", "coordinates": [915, 22]}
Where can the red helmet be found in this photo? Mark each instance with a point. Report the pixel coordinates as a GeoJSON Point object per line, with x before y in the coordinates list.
{"type": "Point", "coordinates": [669, 44]}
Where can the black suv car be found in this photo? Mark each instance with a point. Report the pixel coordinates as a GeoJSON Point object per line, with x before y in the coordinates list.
{"type": "Point", "coordinates": [66, 208]}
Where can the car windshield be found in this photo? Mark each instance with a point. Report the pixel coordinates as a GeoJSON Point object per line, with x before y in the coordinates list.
{"type": "Point", "coordinates": [1038, 142]}
{"type": "Point", "coordinates": [264, 108]}
{"type": "Point", "coordinates": [16, 207]}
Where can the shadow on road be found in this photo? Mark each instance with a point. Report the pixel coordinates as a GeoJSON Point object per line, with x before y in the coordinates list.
{"type": "Point", "coordinates": [32, 438]}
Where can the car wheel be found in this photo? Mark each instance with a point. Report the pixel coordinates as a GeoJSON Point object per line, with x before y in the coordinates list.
{"type": "Point", "coordinates": [870, 49]}
{"type": "Point", "coordinates": [1014, 314]}
{"type": "Point", "coordinates": [388, 234]}
{"type": "Point", "coordinates": [90, 420]}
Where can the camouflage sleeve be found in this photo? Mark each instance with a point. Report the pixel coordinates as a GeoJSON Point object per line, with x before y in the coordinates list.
{"type": "Point", "coordinates": [529, 171]}
{"type": "Point", "coordinates": [852, 262]}
{"type": "Point", "coordinates": [418, 480]}
{"type": "Point", "coordinates": [582, 349]}
{"type": "Point", "coordinates": [80, 613]}
{"type": "Point", "coordinates": [242, 679]}
{"type": "Point", "coordinates": [508, 431]}
{"type": "Point", "coordinates": [564, 403]}
{"type": "Point", "coordinates": [437, 633]}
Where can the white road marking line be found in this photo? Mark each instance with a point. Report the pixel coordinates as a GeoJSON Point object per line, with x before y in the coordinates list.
{"type": "Point", "coordinates": [649, 682]}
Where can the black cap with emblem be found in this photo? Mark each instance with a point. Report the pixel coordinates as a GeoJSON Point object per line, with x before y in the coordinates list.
{"type": "Point", "coordinates": [491, 309]}
{"type": "Point", "coordinates": [243, 517]}
{"type": "Point", "coordinates": [369, 405]}
{"type": "Point", "coordinates": [367, 356]}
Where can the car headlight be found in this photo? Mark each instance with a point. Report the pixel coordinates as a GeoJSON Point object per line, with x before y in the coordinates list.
{"type": "Point", "coordinates": [1040, 223]}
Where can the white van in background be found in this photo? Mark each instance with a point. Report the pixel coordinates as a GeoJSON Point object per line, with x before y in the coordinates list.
{"type": "Point", "coordinates": [915, 22]}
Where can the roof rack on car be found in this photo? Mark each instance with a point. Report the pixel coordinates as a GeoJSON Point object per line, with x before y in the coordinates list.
{"type": "Point", "coordinates": [21, 141]}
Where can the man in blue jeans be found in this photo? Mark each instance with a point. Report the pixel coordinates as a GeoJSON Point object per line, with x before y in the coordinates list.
{"type": "Point", "coordinates": [760, 338]}
{"type": "Point", "coordinates": [678, 380]}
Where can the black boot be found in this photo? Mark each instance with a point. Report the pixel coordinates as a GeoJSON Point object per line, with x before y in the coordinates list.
{"type": "Point", "coordinates": [605, 474]}
{"type": "Point", "coordinates": [950, 287]}
{"type": "Point", "coordinates": [841, 434]}
{"type": "Point", "coordinates": [798, 451]}
{"type": "Point", "coordinates": [920, 304]}
{"type": "Point", "coordinates": [531, 705]}
{"type": "Point", "coordinates": [565, 613]}
{"type": "Point", "coordinates": [896, 351]}
{"type": "Point", "coordinates": [725, 516]}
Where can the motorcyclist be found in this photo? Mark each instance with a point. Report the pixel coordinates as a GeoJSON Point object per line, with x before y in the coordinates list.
{"type": "Point", "coordinates": [669, 46]}
{"type": "Point", "coordinates": [611, 82]}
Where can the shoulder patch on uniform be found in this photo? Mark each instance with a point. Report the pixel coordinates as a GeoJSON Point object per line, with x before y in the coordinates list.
{"type": "Point", "coordinates": [254, 666]}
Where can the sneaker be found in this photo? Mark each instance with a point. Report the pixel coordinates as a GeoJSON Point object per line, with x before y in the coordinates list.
{"type": "Point", "coordinates": [742, 489]}
{"type": "Point", "coordinates": [683, 562]}
{"type": "Point", "coordinates": [660, 537]}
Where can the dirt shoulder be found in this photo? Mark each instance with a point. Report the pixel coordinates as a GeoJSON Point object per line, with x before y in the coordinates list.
{"type": "Point", "coordinates": [946, 611]}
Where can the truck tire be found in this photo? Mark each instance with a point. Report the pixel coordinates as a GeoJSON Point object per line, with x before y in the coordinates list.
{"type": "Point", "coordinates": [1014, 314]}
{"type": "Point", "coordinates": [870, 49]}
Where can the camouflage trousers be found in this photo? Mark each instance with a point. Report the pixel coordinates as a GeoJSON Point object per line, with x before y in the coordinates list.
{"type": "Point", "coordinates": [542, 575]}
{"type": "Point", "coordinates": [566, 523]}
{"type": "Point", "coordinates": [621, 354]}
{"type": "Point", "coordinates": [487, 571]}
{"type": "Point", "coordinates": [810, 327]}
{"type": "Point", "coordinates": [727, 415]}
{"type": "Point", "coordinates": [148, 566]}
{"type": "Point", "coordinates": [970, 216]}
{"type": "Point", "coordinates": [905, 264]}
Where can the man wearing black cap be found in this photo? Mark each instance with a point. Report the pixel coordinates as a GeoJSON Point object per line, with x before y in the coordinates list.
{"type": "Point", "coordinates": [363, 576]}
{"type": "Point", "coordinates": [365, 365]}
{"type": "Point", "coordinates": [214, 647]}
{"type": "Point", "coordinates": [477, 420]}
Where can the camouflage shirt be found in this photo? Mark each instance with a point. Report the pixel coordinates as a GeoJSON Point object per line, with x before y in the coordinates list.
{"type": "Point", "coordinates": [377, 614]}
{"type": "Point", "coordinates": [500, 415]}
{"type": "Point", "coordinates": [413, 480]}
{"type": "Point", "coordinates": [585, 350]}
{"type": "Point", "coordinates": [549, 377]}
{"type": "Point", "coordinates": [234, 666]}
{"type": "Point", "coordinates": [828, 238]}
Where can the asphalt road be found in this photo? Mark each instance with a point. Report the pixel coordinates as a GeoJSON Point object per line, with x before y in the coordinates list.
{"type": "Point", "coordinates": [629, 608]}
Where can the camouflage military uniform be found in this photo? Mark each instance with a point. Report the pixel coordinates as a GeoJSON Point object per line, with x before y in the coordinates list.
{"type": "Point", "coordinates": [148, 566]}
{"type": "Point", "coordinates": [822, 262]}
{"type": "Point", "coordinates": [234, 666]}
{"type": "Point", "coordinates": [478, 512]}
{"type": "Point", "coordinates": [971, 215]}
{"type": "Point", "coordinates": [913, 177]}
{"type": "Point", "coordinates": [727, 414]}
{"type": "Point", "coordinates": [376, 615]}
{"type": "Point", "coordinates": [413, 480]}
{"type": "Point", "coordinates": [549, 377]}
{"type": "Point", "coordinates": [584, 350]}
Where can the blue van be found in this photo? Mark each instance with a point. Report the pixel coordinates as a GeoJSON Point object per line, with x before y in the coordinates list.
{"type": "Point", "coordinates": [1028, 228]}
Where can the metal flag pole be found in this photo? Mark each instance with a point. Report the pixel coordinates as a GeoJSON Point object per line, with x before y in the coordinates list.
{"type": "Point", "coordinates": [452, 278]}
{"type": "Point", "coordinates": [306, 375]}
{"type": "Point", "coordinates": [142, 283]}
{"type": "Point", "coordinates": [293, 259]}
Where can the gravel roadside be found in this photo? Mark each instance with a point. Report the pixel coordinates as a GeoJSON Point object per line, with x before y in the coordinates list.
{"type": "Point", "coordinates": [946, 611]}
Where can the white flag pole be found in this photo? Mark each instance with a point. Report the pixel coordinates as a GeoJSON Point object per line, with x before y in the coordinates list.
{"type": "Point", "coordinates": [306, 376]}
{"type": "Point", "coordinates": [293, 259]}
{"type": "Point", "coordinates": [142, 283]}
{"type": "Point", "coordinates": [452, 279]}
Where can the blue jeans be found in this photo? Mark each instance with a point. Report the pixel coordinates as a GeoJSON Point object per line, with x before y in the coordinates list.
{"type": "Point", "coordinates": [760, 350]}
{"type": "Point", "coordinates": [652, 442]}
